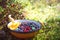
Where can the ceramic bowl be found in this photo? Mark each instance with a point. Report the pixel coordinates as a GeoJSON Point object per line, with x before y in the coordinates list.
{"type": "Point", "coordinates": [30, 34]}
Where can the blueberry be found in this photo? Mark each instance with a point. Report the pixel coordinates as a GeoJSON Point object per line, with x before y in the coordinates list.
{"type": "Point", "coordinates": [30, 30]}
{"type": "Point", "coordinates": [22, 27]}
{"type": "Point", "coordinates": [33, 28]}
{"type": "Point", "coordinates": [31, 23]}
{"type": "Point", "coordinates": [19, 29]}
{"type": "Point", "coordinates": [38, 27]}
{"type": "Point", "coordinates": [28, 24]}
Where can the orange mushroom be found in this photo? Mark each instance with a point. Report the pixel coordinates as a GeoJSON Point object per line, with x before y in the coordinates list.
{"type": "Point", "coordinates": [13, 25]}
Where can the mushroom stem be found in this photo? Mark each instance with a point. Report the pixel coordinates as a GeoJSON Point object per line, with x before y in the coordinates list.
{"type": "Point", "coordinates": [11, 19]}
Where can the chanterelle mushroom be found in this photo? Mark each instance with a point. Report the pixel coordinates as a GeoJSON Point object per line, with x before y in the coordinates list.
{"type": "Point", "coordinates": [13, 24]}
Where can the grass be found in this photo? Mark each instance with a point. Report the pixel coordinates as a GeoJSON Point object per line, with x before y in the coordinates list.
{"type": "Point", "coordinates": [49, 32]}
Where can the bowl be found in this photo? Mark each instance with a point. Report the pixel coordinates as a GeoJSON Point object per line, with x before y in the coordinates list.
{"type": "Point", "coordinates": [23, 34]}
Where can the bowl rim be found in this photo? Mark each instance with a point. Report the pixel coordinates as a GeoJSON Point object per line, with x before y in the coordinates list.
{"type": "Point", "coordinates": [25, 32]}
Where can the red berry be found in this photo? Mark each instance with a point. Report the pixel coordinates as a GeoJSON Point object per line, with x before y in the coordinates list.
{"type": "Point", "coordinates": [26, 30]}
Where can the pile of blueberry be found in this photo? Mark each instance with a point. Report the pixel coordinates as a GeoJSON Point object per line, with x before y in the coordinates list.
{"type": "Point", "coordinates": [28, 27]}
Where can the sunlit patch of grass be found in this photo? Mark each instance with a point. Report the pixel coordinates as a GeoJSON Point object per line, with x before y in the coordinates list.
{"type": "Point", "coordinates": [41, 14]}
